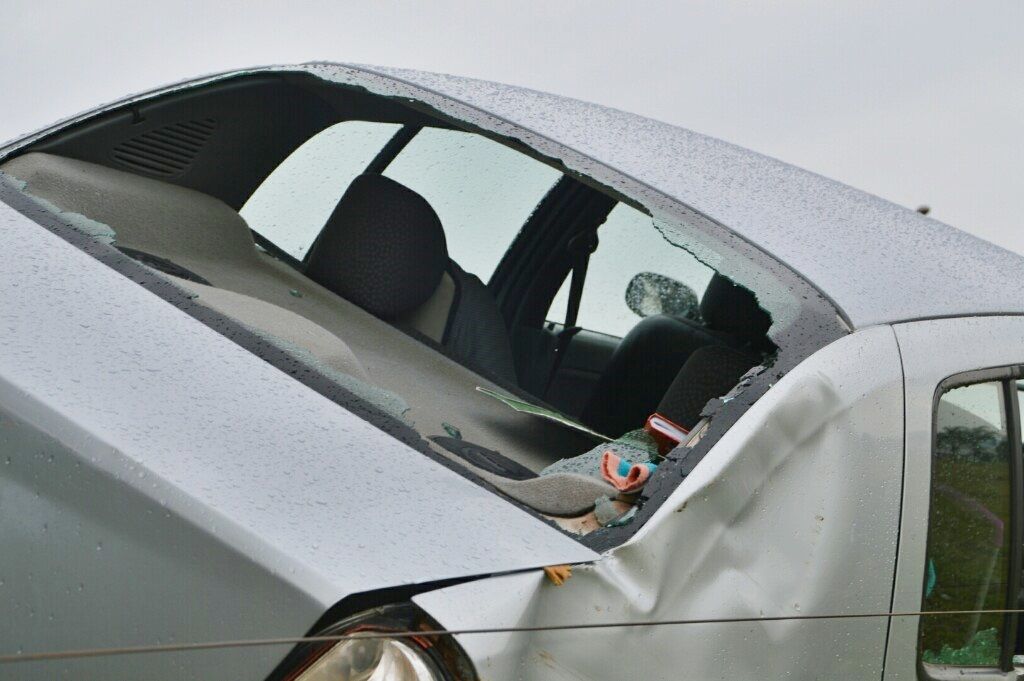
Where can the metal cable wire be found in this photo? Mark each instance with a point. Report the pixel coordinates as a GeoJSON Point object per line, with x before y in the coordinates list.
{"type": "Point", "coordinates": [292, 640]}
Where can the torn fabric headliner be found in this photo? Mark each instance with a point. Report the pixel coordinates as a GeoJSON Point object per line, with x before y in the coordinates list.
{"type": "Point", "coordinates": [856, 248]}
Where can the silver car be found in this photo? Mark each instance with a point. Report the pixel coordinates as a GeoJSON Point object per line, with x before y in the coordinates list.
{"type": "Point", "coordinates": [331, 372]}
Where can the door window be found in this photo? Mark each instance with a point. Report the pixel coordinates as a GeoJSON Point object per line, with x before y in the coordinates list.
{"type": "Point", "coordinates": [973, 532]}
{"type": "Point", "coordinates": [292, 205]}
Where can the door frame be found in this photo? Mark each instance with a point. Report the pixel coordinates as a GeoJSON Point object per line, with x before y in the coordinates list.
{"type": "Point", "coordinates": [932, 351]}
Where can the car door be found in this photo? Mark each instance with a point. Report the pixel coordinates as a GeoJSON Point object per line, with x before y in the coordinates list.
{"type": "Point", "coordinates": [961, 521]}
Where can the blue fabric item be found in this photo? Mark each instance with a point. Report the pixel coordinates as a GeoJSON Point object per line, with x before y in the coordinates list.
{"type": "Point", "coordinates": [636, 445]}
{"type": "Point", "coordinates": [625, 465]}
{"type": "Point", "coordinates": [931, 579]}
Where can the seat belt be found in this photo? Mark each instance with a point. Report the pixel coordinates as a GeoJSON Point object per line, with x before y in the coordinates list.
{"type": "Point", "coordinates": [580, 247]}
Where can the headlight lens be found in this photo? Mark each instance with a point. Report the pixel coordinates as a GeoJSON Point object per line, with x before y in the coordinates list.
{"type": "Point", "coordinates": [387, 658]}
{"type": "Point", "coordinates": [373, 659]}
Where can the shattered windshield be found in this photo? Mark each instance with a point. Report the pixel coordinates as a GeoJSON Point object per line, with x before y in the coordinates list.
{"type": "Point", "coordinates": [492, 308]}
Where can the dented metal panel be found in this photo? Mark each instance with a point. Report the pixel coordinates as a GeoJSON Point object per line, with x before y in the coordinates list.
{"type": "Point", "coordinates": [794, 511]}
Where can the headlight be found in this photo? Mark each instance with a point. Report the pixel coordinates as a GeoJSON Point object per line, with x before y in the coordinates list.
{"type": "Point", "coordinates": [400, 658]}
{"type": "Point", "coordinates": [375, 659]}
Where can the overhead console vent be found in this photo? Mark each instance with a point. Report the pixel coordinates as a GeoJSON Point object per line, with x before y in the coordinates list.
{"type": "Point", "coordinates": [167, 151]}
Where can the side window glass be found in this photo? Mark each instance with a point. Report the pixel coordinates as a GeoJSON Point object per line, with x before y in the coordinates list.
{"type": "Point", "coordinates": [628, 244]}
{"type": "Point", "coordinates": [483, 191]}
{"type": "Point", "coordinates": [969, 540]}
{"type": "Point", "coordinates": [293, 203]}
{"type": "Point", "coordinates": [1018, 602]}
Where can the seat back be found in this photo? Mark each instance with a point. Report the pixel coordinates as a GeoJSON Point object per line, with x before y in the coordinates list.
{"type": "Point", "coordinates": [710, 372]}
{"type": "Point", "coordinates": [383, 248]}
{"type": "Point", "coordinates": [650, 355]}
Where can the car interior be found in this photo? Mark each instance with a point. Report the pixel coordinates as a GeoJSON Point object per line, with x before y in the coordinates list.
{"type": "Point", "coordinates": [417, 261]}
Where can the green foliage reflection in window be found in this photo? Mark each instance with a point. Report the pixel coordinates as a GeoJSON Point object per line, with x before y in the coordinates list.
{"type": "Point", "coordinates": [968, 527]}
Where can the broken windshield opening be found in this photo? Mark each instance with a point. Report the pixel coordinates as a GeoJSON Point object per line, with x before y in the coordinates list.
{"type": "Point", "coordinates": [604, 347]}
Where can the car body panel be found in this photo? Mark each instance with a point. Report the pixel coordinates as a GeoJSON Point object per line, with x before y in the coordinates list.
{"type": "Point", "coordinates": [794, 512]}
{"type": "Point", "coordinates": [980, 343]}
{"type": "Point", "coordinates": [172, 462]}
{"type": "Point", "coordinates": [161, 463]}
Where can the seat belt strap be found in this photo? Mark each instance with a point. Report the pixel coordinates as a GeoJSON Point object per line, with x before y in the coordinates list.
{"type": "Point", "coordinates": [580, 247]}
{"type": "Point", "coordinates": [579, 273]}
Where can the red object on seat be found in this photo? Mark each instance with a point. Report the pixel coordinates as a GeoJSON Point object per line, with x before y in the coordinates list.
{"type": "Point", "coordinates": [666, 433]}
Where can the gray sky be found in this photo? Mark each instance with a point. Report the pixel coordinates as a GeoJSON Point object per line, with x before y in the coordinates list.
{"type": "Point", "coordinates": [916, 101]}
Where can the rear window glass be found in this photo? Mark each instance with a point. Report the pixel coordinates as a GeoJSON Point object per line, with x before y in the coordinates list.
{"type": "Point", "coordinates": [293, 203]}
{"type": "Point", "coordinates": [628, 243]}
{"type": "Point", "coordinates": [482, 191]}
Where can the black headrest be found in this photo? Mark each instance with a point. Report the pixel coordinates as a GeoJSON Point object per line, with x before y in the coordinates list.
{"type": "Point", "coordinates": [733, 309]}
{"type": "Point", "coordinates": [383, 248]}
{"type": "Point", "coordinates": [710, 372]}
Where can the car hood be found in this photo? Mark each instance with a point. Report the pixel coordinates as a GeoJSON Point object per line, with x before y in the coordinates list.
{"type": "Point", "coordinates": [211, 434]}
